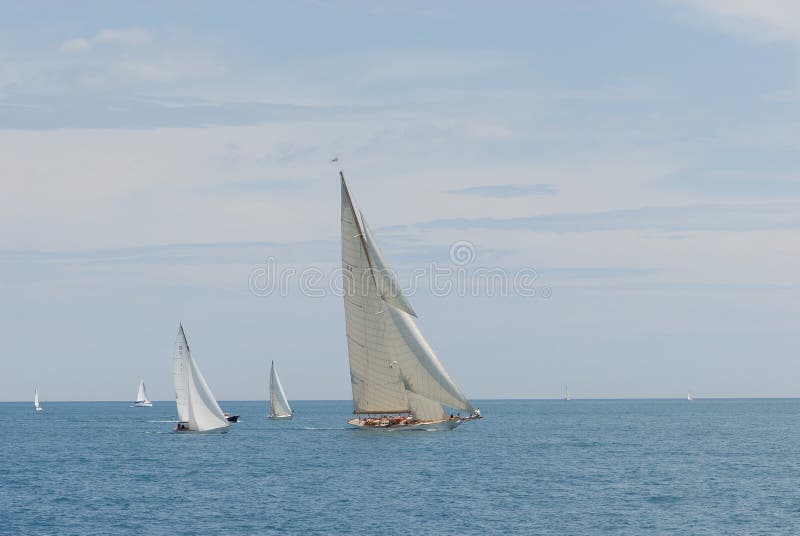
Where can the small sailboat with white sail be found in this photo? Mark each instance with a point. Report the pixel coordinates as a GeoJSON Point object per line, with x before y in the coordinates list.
{"type": "Point", "coordinates": [278, 404]}
{"type": "Point", "coordinates": [398, 381]}
{"type": "Point", "coordinates": [689, 396]}
{"type": "Point", "coordinates": [566, 393]}
{"type": "Point", "coordinates": [36, 407]}
{"type": "Point", "coordinates": [141, 398]}
{"type": "Point", "coordinates": [198, 410]}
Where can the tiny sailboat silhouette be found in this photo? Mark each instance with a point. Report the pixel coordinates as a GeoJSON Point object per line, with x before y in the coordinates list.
{"type": "Point", "coordinates": [566, 393]}
{"type": "Point", "coordinates": [398, 381]}
{"type": "Point", "coordinates": [278, 405]}
{"type": "Point", "coordinates": [689, 396]}
{"type": "Point", "coordinates": [141, 398]}
{"type": "Point", "coordinates": [198, 410]}
{"type": "Point", "coordinates": [36, 407]}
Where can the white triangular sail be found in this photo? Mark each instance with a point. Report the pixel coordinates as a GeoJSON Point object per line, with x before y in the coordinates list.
{"type": "Point", "coordinates": [386, 282]}
{"type": "Point", "coordinates": [195, 403]}
{"type": "Point", "coordinates": [377, 387]}
{"type": "Point", "coordinates": [180, 370]}
{"type": "Point", "coordinates": [278, 404]}
{"type": "Point", "coordinates": [204, 412]}
{"type": "Point", "coordinates": [425, 409]}
{"type": "Point", "coordinates": [36, 405]}
{"type": "Point", "coordinates": [421, 370]}
{"type": "Point", "coordinates": [392, 367]}
{"type": "Point", "coordinates": [141, 396]}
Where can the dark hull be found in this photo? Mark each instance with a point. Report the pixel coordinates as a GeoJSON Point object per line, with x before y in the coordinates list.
{"type": "Point", "coordinates": [223, 430]}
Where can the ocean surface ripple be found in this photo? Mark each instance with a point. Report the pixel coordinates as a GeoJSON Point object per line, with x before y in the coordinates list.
{"type": "Point", "coordinates": [529, 467]}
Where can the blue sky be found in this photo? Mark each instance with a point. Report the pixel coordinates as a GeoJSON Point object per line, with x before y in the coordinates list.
{"type": "Point", "coordinates": [641, 156]}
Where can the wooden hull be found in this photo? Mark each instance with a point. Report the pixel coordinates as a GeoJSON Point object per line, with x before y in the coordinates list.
{"type": "Point", "coordinates": [424, 426]}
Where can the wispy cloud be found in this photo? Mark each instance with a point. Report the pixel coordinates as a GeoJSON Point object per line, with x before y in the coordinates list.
{"type": "Point", "coordinates": [761, 20]}
{"type": "Point", "coordinates": [507, 190]}
{"type": "Point", "coordinates": [167, 68]}
{"type": "Point", "coordinates": [734, 183]}
{"type": "Point", "coordinates": [119, 57]}
{"type": "Point", "coordinates": [400, 66]}
{"type": "Point", "coordinates": [76, 45]}
{"type": "Point", "coordinates": [297, 253]}
{"type": "Point", "coordinates": [181, 254]}
{"type": "Point", "coordinates": [261, 185]}
{"type": "Point", "coordinates": [489, 133]}
{"type": "Point", "coordinates": [124, 36]}
{"type": "Point", "coordinates": [42, 113]}
{"type": "Point", "coordinates": [595, 272]}
{"type": "Point", "coordinates": [668, 219]}
{"type": "Point", "coordinates": [110, 36]}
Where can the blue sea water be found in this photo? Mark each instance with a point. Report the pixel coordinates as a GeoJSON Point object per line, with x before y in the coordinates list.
{"type": "Point", "coordinates": [529, 467]}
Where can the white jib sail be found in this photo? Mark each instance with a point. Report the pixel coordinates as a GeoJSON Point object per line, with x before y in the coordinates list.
{"type": "Point", "coordinates": [279, 405]}
{"type": "Point", "coordinates": [392, 367]}
{"type": "Point", "coordinates": [388, 287]}
{"type": "Point", "coordinates": [195, 403]}
{"type": "Point", "coordinates": [36, 397]}
{"type": "Point", "coordinates": [141, 396]}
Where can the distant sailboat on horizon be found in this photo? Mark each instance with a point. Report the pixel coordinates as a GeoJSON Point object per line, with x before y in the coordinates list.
{"type": "Point", "coordinates": [36, 407]}
{"type": "Point", "coordinates": [141, 398]}
{"type": "Point", "coordinates": [397, 380]}
{"type": "Point", "coordinates": [198, 410]}
{"type": "Point", "coordinates": [278, 404]}
{"type": "Point", "coordinates": [689, 396]}
{"type": "Point", "coordinates": [566, 392]}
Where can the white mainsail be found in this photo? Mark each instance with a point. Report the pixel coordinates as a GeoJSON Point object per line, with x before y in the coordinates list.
{"type": "Point", "coordinates": [278, 404]}
{"type": "Point", "coordinates": [36, 405]}
{"type": "Point", "coordinates": [141, 396]}
{"type": "Point", "coordinates": [392, 367]}
{"type": "Point", "coordinates": [196, 405]}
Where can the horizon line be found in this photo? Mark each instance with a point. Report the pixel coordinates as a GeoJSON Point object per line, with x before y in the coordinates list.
{"type": "Point", "coordinates": [537, 399]}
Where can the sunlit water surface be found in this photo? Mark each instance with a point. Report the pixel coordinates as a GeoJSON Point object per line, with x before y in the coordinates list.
{"type": "Point", "coordinates": [529, 467]}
